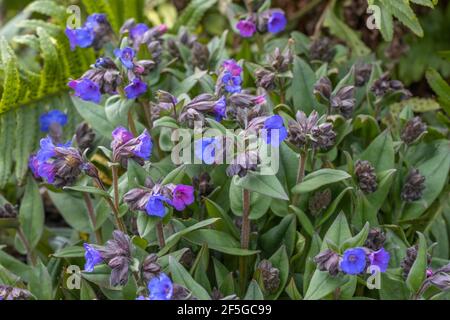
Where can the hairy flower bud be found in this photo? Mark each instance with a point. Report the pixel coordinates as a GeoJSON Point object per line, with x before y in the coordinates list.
{"type": "Point", "coordinates": [322, 50]}
{"type": "Point", "coordinates": [323, 136]}
{"type": "Point", "coordinates": [279, 61]}
{"type": "Point", "coordinates": [328, 260]}
{"type": "Point", "coordinates": [203, 184]}
{"type": "Point", "coordinates": [383, 86]}
{"type": "Point", "coordinates": [410, 258]}
{"type": "Point", "coordinates": [319, 201]}
{"type": "Point", "coordinates": [362, 73]}
{"type": "Point", "coordinates": [84, 136]}
{"type": "Point", "coordinates": [12, 293]}
{"type": "Point", "coordinates": [322, 89]}
{"type": "Point", "coordinates": [200, 55]}
{"type": "Point", "coordinates": [190, 116]}
{"type": "Point", "coordinates": [270, 276]}
{"type": "Point", "coordinates": [245, 100]}
{"type": "Point", "coordinates": [8, 211]}
{"type": "Point", "coordinates": [150, 267]}
{"type": "Point", "coordinates": [265, 79]}
{"type": "Point", "coordinates": [413, 129]}
{"type": "Point", "coordinates": [117, 254]}
{"type": "Point", "coordinates": [243, 163]}
{"type": "Point", "coordinates": [413, 187]}
{"type": "Point", "coordinates": [105, 74]}
{"type": "Point", "coordinates": [366, 176]}
{"type": "Point", "coordinates": [344, 101]}
{"type": "Point", "coordinates": [375, 239]}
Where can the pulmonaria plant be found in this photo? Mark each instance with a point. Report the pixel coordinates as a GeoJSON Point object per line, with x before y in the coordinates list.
{"type": "Point", "coordinates": [273, 21]}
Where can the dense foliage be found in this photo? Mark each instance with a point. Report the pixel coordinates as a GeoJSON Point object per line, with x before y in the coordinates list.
{"type": "Point", "coordinates": [219, 149]}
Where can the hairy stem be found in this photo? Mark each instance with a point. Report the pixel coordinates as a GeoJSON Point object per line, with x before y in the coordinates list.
{"type": "Point", "coordinates": [25, 242]}
{"type": "Point", "coordinates": [91, 214]}
{"type": "Point", "coordinates": [148, 114]}
{"type": "Point", "coordinates": [160, 233]}
{"type": "Point", "coordinates": [245, 237]}
{"type": "Point", "coordinates": [131, 124]}
{"type": "Point", "coordinates": [300, 175]}
{"type": "Point", "coordinates": [115, 205]}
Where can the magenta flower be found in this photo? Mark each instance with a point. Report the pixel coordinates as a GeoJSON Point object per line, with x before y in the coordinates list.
{"type": "Point", "coordinates": [380, 259]}
{"type": "Point", "coordinates": [246, 27]}
{"type": "Point", "coordinates": [182, 196]}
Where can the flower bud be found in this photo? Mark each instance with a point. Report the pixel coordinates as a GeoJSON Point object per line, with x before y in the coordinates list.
{"type": "Point", "coordinates": [150, 267]}
{"type": "Point", "coordinates": [375, 239]}
{"type": "Point", "coordinates": [410, 258]}
{"type": "Point", "coordinates": [265, 79]}
{"type": "Point", "coordinates": [413, 187]}
{"type": "Point", "coordinates": [8, 211]}
{"type": "Point", "coordinates": [200, 55]}
{"type": "Point", "coordinates": [365, 174]}
{"type": "Point", "coordinates": [328, 260]}
{"type": "Point", "coordinates": [362, 73]}
{"type": "Point", "coordinates": [270, 276]}
{"type": "Point", "coordinates": [84, 136]}
{"type": "Point", "coordinates": [203, 184]}
{"type": "Point", "coordinates": [319, 201]}
{"type": "Point", "coordinates": [413, 129]}
{"type": "Point", "coordinates": [322, 50]}
{"type": "Point", "coordinates": [322, 89]}
{"type": "Point", "coordinates": [12, 293]}
{"type": "Point", "coordinates": [344, 101]}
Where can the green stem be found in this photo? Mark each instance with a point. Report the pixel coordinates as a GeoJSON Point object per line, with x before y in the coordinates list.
{"type": "Point", "coordinates": [160, 234]}
{"type": "Point", "coordinates": [115, 205]}
{"type": "Point", "coordinates": [148, 114]}
{"type": "Point", "coordinates": [25, 242]}
{"type": "Point", "coordinates": [300, 175]}
{"type": "Point", "coordinates": [245, 238]}
{"type": "Point", "coordinates": [91, 214]}
{"type": "Point", "coordinates": [131, 124]}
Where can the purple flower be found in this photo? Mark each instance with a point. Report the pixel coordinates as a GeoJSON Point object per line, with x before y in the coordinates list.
{"type": "Point", "coordinates": [232, 83]}
{"type": "Point", "coordinates": [182, 196]}
{"type": "Point", "coordinates": [231, 66]}
{"type": "Point", "coordinates": [220, 108]}
{"type": "Point", "coordinates": [135, 89]}
{"type": "Point", "coordinates": [95, 20]}
{"type": "Point", "coordinates": [125, 144]}
{"type": "Point", "coordinates": [277, 22]}
{"type": "Point", "coordinates": [33, 164]}
{"type": "Point", "coordinates": [138, 31]}
{"type": "Point", "coordinates": [86, 89]}
{"type": "Point", "coordinates": [380, 259]}
{"type": "Point", "coordinates": [353, 261]}
{"type": "Point", "coordinates": [275, 123]}
{"type": "Point", "coordinates": [92, 256]}
{"type": "Point", "coordinates": [53, 116]}
{"type": "Point", "coordinates": [160, 287]}
{"type": "Point", "coordinates": [205, 149]}
{"type": "Point", "coordinates": [81, 37]}
{"type": "Point", "coordinates": [155, 205]}
{"type": "Point", "coordinates": [246, 27]}
{"type": "Point", "coordinates": [126, 56]}
{"type": "Point", "coordinates": [46, 151]}
{"type": "Point", "coordinates": [143, 147]}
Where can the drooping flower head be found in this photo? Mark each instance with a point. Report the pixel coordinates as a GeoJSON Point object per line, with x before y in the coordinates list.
{"type": "Point", "coordinates": [92, 256]}
{"type": "Point", "coordinates": [125, 145]}
{"type": "Point", "coordinates": [135, 89]}
{"type": "Point", "coordinates": [354, 261]}
{"type": "Point", "coordinates": [380, 258]}
{"type": "Point", "coordinates": [52, 117]}
{"type": "Point", "coordinates": [246, 27]}
{"type": "Point", "coordinates": [160, 287]}
{"type": "Point", "coordinates": [86, 90]}
{"type": "Point", "coordinates": [94, 33]}
{"type": "Point", "coordinates": [126, 56]}
{"type": "Point", "coordinates": [277, 22]}
{"type": "Point", "coordinates": [182, 196]}
{"type": "Point", "coordinates": [275, 123]}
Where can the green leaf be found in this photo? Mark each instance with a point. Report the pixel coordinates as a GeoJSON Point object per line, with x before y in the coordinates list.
{"type": "Point", "coordinates": [31, 213]}
{"type": "Point", "coordinates": [90, 190]}
{"type": "Point", "coordinates": [322, 284]}
{"type": "Point", "coordinates": [358, 240]}
{"type": "Point", "coordinates": [73, 210]}
{"type": "Point", "coordinates": [333, 206]}
{"type": "Point", "coordinates": [173, 239]}
{"type": "Point", "coordinates": [259, 203]}
{"type": "Point", "coordinates": [380, 153]}
{"type": "Point", "coordinates": [116, 110]}
{"type": "Point", "coordinates": [338, 233]}
{"type": "Point", "coordinates": [166, 122]}
{"type": "Point", "coordinates": [254, 292]}
{"type": "Point", "coordinates": [268, 185]}
{"type": "Point", "coordinates": [219, 241]}
{"type": "Point", "coordinates": [280, 260]}
{"type": "Point", "coordinates": [7, 125]}
{"type": "Point", "coordinates": [320, 178]}
{"type": "Point", "coordinates": [27, 126]}
{"type": "Point", "coordinates": [303, 220]}
{"type": "Point", "coordinates": [303, 86]}
{"type": "Point", "coordinates": [40, 283]}
{"type": "Point", "coordinates": [182, 277]}
{"type": "Point", "coordinates": [283, 233]}
{"type": "Point", "coordinates": [292, 291]}
{"type": "Point", "coordinates": [70, 252]}
{"type": "Point", "coordinates": [95, 115]}
{"type": "Point", "coordinates": [12, 264]}
{"type": "Point", "coordinates": [417, 274]}
{"type": "Point", "coordinates": [226, 223]}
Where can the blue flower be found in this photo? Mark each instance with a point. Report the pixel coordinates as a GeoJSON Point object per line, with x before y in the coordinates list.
{"type": "Point", "coordinates": [277, 22]}
{"type": "Point", "coordinates": [205, 149]}
{"type": "Point", "coordinates": [232, 83]}
{"type": "Point", "coordinates": [126, 56]}
{"type": "Point", "coordinates": [380, 259]}
{"type": "Point", "coordinates": [354, 261]}
{"type": "Point", "coordinates": [81, 37]}
{"type": "Point", "coordinates": [143, 148]}
{"type": "Point", "coordinates": [135, 89]}
{"type": "Point", "coordinates": [138, 31]}
{"type": "Point", "coordinates": [46, 151]}
{"type": "Point", "coordinates": [95, 20]}
{"type": "Point", "coordinates": [155, 205]}
{"type": "Point", "coordinates": [275, 123]}
{"type": "Point", "coordinates": [160, 287]}
{"type": "Point", "coordinates": [93, 257]}
{"type": "Point", "coordinates": [53, 116]}
{"type": "Point", "coordinates": [86, 89]}
{"type": "Point", "coordinates": [220, 108]}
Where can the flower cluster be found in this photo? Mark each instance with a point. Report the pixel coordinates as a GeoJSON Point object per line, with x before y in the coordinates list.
{"type": "Point", "coordinates": [273, 21]}
{"type": "Point", "coordinates": [125, 146]}
{"type": "Point", "coordinates": [342, 101]}
{"type": "Point", "coordinates": [353, 261]}
{"type": "Point", "coordinates": [95, 32]}
{"type": "Point", "coordinates": [153, 198]}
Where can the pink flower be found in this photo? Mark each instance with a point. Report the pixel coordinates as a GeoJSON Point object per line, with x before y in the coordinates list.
{"type": "Point", "coordinates": [247, 28]}
{"type": "Point", "coordinates": [182, 196]}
